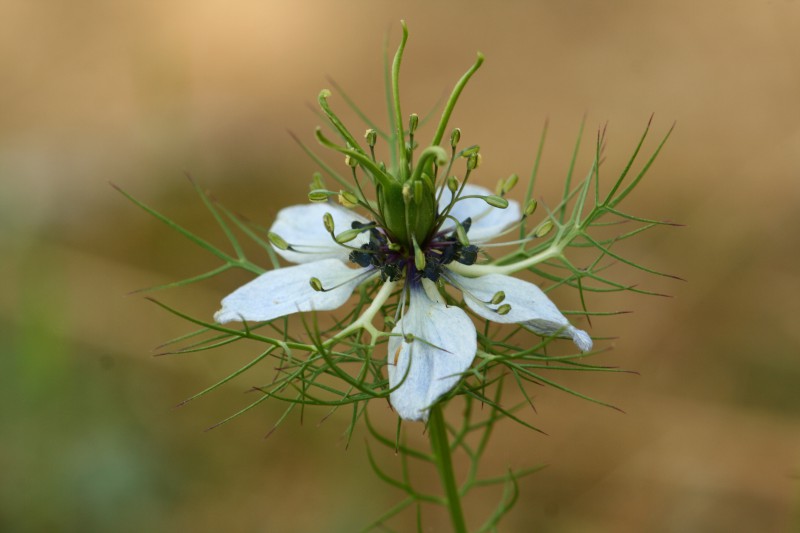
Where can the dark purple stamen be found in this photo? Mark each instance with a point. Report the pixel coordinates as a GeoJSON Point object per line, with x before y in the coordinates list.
{"type": "Point", "coordinates": [441, 250]}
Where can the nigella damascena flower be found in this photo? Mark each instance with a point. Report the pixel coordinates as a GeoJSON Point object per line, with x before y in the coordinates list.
{"type": "Point", "coordinates": [432, 343]}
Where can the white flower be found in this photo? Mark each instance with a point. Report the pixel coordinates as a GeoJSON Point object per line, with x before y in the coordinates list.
{"type": "Point", "coordinates": [432, 344]}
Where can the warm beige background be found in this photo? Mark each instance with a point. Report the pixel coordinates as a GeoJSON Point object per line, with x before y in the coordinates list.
{"type": "Point", "coordinates": [139, 92]}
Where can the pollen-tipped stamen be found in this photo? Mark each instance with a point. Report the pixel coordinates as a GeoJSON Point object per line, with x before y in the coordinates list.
{"type": "Point", "coordinates": [497, 298]}
{"type": "Point", "coordinates": [317, 285]}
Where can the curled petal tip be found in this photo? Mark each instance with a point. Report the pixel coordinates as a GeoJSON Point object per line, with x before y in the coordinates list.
{"type": "Point", "coordinates": [581, 339]}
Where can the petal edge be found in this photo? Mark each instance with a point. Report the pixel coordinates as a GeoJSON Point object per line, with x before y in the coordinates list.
{"type": "Point", "coordinates": [301, 226]}
{"type": "Point", "coordinates": [428, 367]}
{"type": "Point", "coordinates": [284, 291]}
{"type": "Point", "coordinates": [530, 306]}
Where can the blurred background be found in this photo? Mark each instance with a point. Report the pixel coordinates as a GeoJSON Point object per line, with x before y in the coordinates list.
{"type": "Point", "coordinates": [140, 93]}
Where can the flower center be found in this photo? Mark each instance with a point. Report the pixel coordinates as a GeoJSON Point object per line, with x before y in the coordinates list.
{"type": "Point", "coordinates": [395, 261]}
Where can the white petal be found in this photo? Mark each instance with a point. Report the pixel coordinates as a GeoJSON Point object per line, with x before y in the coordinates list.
{"type": "Point", "coordinates": [287, 290]}
{"type": "Point", "coordinates": [301, 226]}
{"type": "Point", "coordinates": [487, 221]}
{"type": "Point", "coordinates": [530, 307]}
{"type": "Point", "coordinates": [443, 348]}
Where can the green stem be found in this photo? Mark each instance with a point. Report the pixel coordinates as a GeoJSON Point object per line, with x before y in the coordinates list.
{"type": "Point", "coordinates": [400, 137]}
{"type": "Point", "coordinates": [444, 463]}
{"type": "Point", "coordinates": [451, 103]}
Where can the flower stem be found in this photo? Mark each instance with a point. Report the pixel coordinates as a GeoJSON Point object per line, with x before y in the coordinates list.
{"type": "Point", "coordinates": [444, 463]}
{"type": "Point", "coordinates": [400, 137]}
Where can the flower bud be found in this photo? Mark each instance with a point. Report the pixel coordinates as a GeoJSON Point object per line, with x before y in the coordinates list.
{"type": "Point", "coordinates": [316, 284]}
{"type": "Point", "coordinates": [452, 184]}
{"type": "Point", "coordinates": [316, 181]}
{"type": "Point", "coordinates": [530, 207]}
{"type": "Point", "coordinates": [461, 235]}
{"type": "Point", "coordinates": [419, 257]}
{"type": "Point", "coordinates": [413, 122]}
{"type": "Point", "coordinates": [496, 201]}
{"type": "Point", "coordinates": [318, 196]}
{"type": "Point", "coordinates": [498, 297]}
{"type": "Point", "coordinates": [504, 309]}
{"type": "Point", "coordinates": [348, 235]}
{"type": "Point", "coordinates": [544, 228]}
{"type": "Point", "coordinates": [472, 150]}
{"type": "Point", "coordinates": [327, 221]}
{"type": "Point", "coordinates": [277, 241]}
{"type": "Point", "coordinates": [371, 136]}
{"type": "Point", "coordinates": [350, 162]}
{"type": "Point", "coordinates": [455, 137]}
{"type": "Point", "coordinates": [510, 183]}
{"type": "Point", "coordinates": [474, 161]}
{"type": "Point", "coordinates": [348, 199]}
